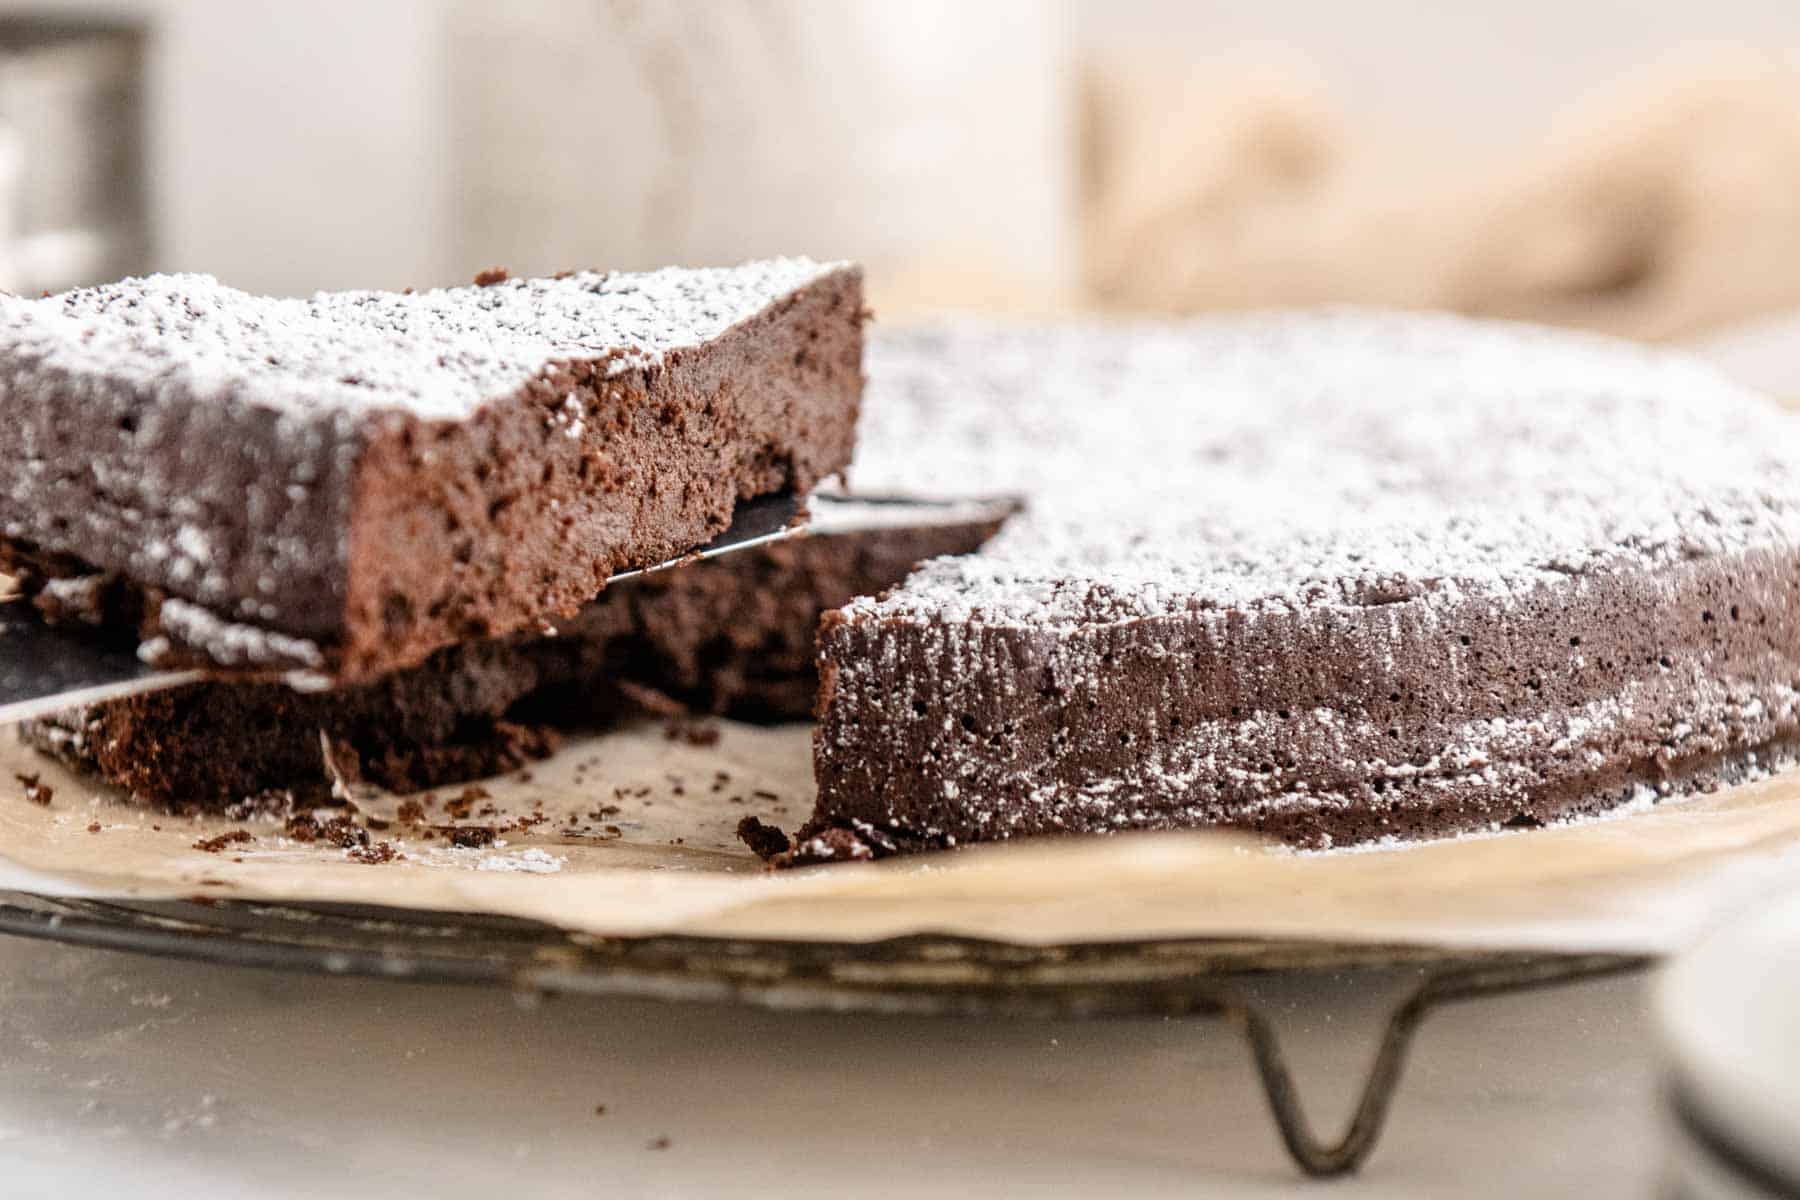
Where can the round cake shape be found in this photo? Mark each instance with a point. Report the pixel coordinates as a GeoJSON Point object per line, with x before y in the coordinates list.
{"type": "Point", "coordinates": [1336, 577]}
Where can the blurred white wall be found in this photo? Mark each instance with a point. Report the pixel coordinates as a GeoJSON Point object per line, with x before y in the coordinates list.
{"type": "Point", "coordinates": [1486, 74]}
{"type": "Point", "coordinates": [298, 144]}
{"type": "Point", "coordinates": [294, 145]}
{"type": "Point", "coordinates": [929, 139]}
{"type": "Point", "coordinates": [335, 143]}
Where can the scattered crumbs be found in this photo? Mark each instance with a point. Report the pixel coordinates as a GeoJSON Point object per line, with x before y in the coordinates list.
{"type": "Point", "coordinates": [692, 732]}
{"type": "Point", "coordinates": [615, 831]}
{"type": "Point", "coordinates": [524, 777]}
{"type": "Point", "coordinates": [214, 845]}
{"type": "Point", "coordinates": [410, 812]}
{"type": "Point", "coordinates": [93, 827]}
{"type": "Point", "coordinates": [36, 791]}
{"type": "Point", "coordinates": [469, 837]}
{"type": "Point", "coordinates": [608, 810]}
{"type": "Point", "coordinates": [764, 794]}
{"type": "Point", "coordinates": [765, 840]}
{"type": "Point", "coordinates": [339, 831]}
{"type": "Point", "coordinates": [380, 852]}
{"type": "Point", "coordinates": [155, 828]}
{"type": "Point", "coordinates": [376, 824]}
{"type": "Point", "coordinates": [658, 1143]}
{"type": "Point", "coordinates": [491, 277]}
{"type": "Point", "coordinates": [599, 1110]}
{"type": "Point", "coordinates": [464, 802]}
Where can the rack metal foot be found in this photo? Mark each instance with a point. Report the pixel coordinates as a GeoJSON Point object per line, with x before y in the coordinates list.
{"type": "Point", "coordinates": [1444, 985]}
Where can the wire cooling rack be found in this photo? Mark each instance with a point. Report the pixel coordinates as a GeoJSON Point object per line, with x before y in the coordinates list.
{"type": "Point", "coordinates": [921, 974]}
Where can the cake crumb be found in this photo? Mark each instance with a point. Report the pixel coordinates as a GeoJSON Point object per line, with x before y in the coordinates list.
{"type": "Point", "coordinates": [492, 276]}
{"type": "Point", "coordinates": [36, 790]}
{"type": "Point", "coordinates": [465, 801]}
{"type": "Point", "coordinates": [339, 831]}
{"type": "Point", "coordinates": [765, 841]}
{"type": "Point", "coordinates": [658, 1143]}
{"type": "Point", "coordinates": [410, 812]}
{"type": "Point", "coordinates": [213, 845]}
{"type": "Point", "coordinates": [469, 837]}
{"type": "Point", "coordinates": [380, 852]}
{"type": "Point", "coordinates": [93, 827]}
{"type": "Point", "coordinates": [692, 732]}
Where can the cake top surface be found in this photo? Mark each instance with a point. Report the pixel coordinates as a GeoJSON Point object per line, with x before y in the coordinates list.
{"type": "Point", "coordinates": [435, 354]}
{"type": "Point", "coordinates": [1286, 462]}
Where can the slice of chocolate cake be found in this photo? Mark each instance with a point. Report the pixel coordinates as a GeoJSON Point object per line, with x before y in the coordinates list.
{"type": "Point", "coordinates": [1334, 577]}
{"type": "Point", "coordinates": [733, 635]}
{"type": "Point", "coordinates": [343, 484]}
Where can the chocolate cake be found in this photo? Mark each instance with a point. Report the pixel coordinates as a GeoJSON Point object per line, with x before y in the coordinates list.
{"type": "Point", "coordinates": [1333, 577]}
{"type": "Point", "coordinates": [344, 484]}
{"type": "Point", "coordinates": [733, 635]}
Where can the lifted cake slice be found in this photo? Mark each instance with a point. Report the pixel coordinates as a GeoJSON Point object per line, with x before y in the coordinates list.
{"type": "Point", "coordinates": [343, 484]}
{"type": "Point", "coordinates": [731, 636]}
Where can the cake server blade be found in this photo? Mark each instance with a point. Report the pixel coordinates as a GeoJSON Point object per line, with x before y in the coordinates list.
{"type": "Point", "coordinates": [44, 670]}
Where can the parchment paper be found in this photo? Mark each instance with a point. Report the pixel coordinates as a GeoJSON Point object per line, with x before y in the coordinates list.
{"type": "Point", "coordinates": [670, 862]}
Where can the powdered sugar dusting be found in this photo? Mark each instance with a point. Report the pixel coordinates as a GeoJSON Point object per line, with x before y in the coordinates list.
{"type": "Point", "coordinates": [227, 642]}
{"type": "Point", "coordinates": [436, 354]}
{"type": "Point", "coordinates": [531, 861]}
{"type": "Point", "coordinates": [1291, 461]}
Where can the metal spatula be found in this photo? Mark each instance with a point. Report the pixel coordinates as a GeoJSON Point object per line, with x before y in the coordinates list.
{"type": "Point", "coordinates": [45, 670]}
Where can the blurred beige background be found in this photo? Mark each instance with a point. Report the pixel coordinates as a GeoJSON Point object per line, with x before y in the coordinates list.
{"type": "Point", "coordinates": [1631, 166]}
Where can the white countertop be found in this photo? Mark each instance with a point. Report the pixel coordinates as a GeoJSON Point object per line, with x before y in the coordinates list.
{"type": "Point", "coordinates": [128, 1075]}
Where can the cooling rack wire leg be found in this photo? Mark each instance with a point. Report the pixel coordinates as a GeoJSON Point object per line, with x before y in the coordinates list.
{"type": "Point", "coordinates": [1441, 985]}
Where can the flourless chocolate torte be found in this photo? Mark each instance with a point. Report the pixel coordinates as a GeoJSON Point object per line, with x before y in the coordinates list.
{"type": "Point", "coordinates": [344, 484]}
{"type": "Point", "coordinates": [733, 635]}
{"type": "Point", "coordinates": [1334, 577]}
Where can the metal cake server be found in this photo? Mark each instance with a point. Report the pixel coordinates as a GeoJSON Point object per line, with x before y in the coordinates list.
{"type": "Point", "coordinates": [45, 670]}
